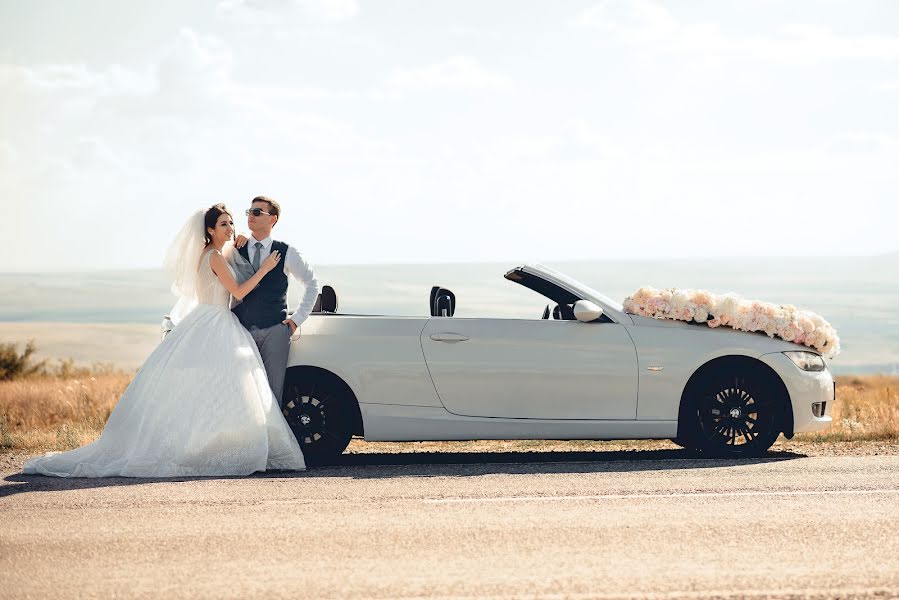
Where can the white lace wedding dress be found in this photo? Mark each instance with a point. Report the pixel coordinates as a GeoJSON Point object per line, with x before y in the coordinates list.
{"type": "Point", "coordinates": [200, 405]}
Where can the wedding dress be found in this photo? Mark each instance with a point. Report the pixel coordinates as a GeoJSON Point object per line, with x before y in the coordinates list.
{"type": "Point", "coordinates": [200, 405]}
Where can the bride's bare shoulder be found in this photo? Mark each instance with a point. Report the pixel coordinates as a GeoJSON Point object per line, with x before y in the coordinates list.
{"type": "Point", "coordinates": [208, 253]}
{"type": "Point", "coordinates": [215, 259]}
{"type": "Point", "coordinates": [215, 256]}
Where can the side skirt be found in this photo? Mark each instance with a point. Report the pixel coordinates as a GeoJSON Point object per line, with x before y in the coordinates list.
{"type": "Point", "coordinates": [395, 423]}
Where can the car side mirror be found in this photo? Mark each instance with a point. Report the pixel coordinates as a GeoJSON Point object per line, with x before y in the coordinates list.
{"type": "Point", "coordinates": [586, 311]}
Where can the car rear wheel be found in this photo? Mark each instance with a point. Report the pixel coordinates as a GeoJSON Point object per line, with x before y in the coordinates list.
{"type": "Point", "coordinates": [731, 413]}
{"type": "Point", "coordinates": [319, 413]}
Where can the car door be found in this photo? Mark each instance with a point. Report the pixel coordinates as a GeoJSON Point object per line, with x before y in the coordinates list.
{"type": "Point", "coordinates": [532, 369]}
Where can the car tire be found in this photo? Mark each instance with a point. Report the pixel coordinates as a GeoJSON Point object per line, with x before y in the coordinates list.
{"type": "Point", "coordinates": [319, 413]}
{"type": "Point", "coordinates": [731, 413]}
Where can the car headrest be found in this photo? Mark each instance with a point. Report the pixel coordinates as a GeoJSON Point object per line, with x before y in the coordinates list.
{"type": "Point", "coordinates": [432, 299]}
{"type": "Point", "coordinates": [564, 312]}
{"type": "Point", "coordinates": [329, 299]}
{"type": "Point", "coordinates": [326, 301]}
{"type": "Point", "coordinates": [442, 302]}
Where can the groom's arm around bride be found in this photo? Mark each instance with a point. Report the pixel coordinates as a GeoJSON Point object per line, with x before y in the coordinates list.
{"type": "Point", "coordinates": [264, 312]}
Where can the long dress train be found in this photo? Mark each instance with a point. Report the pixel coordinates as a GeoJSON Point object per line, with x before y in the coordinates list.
{"type": "Point", "coordinates": [200, 405]}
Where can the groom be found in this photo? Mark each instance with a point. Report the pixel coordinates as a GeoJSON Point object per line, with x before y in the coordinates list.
{"type": "Point", "coordinates": [264, 311]}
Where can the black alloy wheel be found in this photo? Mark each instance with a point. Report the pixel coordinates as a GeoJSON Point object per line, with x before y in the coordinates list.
{"type": "Point", "coordinates": [318, 413]}
{"type": "Point", "coordinates": [734, 415]}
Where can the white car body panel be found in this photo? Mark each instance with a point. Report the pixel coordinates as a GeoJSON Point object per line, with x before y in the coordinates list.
{"type": "Point", "coordinates": [804, 391]}
{"type": "Point", "coordinates": [380, 358]}
{"type": "Point", "coordinates": [535, 379]}
{"type": "Point", "coordinates": [680, 348]}
{"type": "Point", "coordinates": [533, 369]}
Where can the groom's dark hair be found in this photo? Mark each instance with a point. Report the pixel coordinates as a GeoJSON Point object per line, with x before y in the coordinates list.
{"type": "Point", "coordinates": [273, 207]}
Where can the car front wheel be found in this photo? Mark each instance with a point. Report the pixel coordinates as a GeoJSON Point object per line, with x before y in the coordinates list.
{"type": "Point", "coordinates": [732, 414]}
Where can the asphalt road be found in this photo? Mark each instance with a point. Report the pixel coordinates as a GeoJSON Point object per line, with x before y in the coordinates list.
{"type": "Point", "coordinates": [464, 526]}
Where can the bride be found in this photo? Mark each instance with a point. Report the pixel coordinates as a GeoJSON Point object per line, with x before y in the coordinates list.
{"type": "Point", "coordinates": [201, 403]}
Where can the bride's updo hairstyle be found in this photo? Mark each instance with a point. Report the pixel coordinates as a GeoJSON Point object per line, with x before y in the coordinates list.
{"type": "Point", "coordinates": [211, 218]}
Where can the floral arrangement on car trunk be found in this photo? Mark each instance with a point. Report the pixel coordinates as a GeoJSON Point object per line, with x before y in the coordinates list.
{"type": "Point", "coordinates": [729, 310]}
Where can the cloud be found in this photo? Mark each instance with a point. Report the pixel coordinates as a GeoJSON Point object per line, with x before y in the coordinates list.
{"type": "Point", "coordinates": [74, 121]}
{"type": "Point", "coordinates": [179, 131]}
{"type": "Point", "coordinates": [455, 73]}
{"type": "Point", "coordinates": [8, 156]}
{"type": "Point", "coordinates": [630, 19]}
{"type": "Point", "coordinates": [587, 138]}
{"type": "Point", "coordinates": [649, 25]}
{"type": "Point", "coordinates": [274, 12]}
{"type": "Point", "coordinates": [860, 142]}
{"type": "Point", "coordinates": [60, 77]}
{"type": "Point", "coordinates": [73, 78]}
{"type": "Point", "coordinates": [184, 112]}
{"type": "Point", "coordinates": [93, 151]}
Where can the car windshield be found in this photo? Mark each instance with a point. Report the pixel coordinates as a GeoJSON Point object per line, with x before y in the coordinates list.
{"type": "Point", "coordinates": [577, 285]}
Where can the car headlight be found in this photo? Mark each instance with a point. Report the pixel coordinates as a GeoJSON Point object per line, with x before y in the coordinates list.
{"type": "Point", "coordinates": [807, 361]}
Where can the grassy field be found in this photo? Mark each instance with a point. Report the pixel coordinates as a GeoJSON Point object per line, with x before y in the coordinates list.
{"type": "Point", "coordinates": [63, 412]}
{"type": "Point", "coordinates": [57, 413]}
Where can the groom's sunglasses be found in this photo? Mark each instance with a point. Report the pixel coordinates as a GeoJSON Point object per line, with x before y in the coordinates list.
{"type": "Point", "coordinates": [256, 212]}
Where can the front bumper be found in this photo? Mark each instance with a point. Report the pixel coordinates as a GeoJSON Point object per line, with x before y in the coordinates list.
{"type": "Point", "coordinates": [810, 393]}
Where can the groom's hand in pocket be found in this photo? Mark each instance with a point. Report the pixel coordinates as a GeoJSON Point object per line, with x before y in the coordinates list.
{"type": "Point", "coordinates": [293, 327]}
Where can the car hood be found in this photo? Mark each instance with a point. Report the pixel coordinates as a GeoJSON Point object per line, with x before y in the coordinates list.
{"type": "Point", "coordinates": [758, 341]}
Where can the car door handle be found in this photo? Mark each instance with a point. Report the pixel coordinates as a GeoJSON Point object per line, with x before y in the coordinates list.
{"type": "Point", "coordinates": [448, 337]}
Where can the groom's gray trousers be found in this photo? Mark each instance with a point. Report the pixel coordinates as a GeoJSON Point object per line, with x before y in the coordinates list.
{"type": "Point", "coordinates": [274, 347]}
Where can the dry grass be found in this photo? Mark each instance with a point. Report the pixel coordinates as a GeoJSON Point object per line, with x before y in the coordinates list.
{"type": "Point", "coordinates": [57, 413]}
{"type": "Point", "coordinates": [63, 412]}
{"type": "Point", "coordinates": [867, 408]}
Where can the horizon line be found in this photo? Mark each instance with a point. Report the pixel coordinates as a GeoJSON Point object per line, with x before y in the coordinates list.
{"type": "Point", "coordinates": [512, 263]}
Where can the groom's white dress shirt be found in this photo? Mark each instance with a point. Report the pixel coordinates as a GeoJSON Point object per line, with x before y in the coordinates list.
{"type": "Point", "coordinates": [294, 266]}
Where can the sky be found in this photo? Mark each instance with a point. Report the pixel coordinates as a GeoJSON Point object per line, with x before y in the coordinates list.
{"type": "Point", "coordinates": [431, 131]}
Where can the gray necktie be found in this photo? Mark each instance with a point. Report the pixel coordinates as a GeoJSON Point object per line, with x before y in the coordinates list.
{"type": "Point", "coordinates": [256, 256]}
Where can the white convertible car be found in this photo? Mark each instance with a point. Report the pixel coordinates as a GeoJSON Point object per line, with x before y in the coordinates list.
{"type": "Point", "coordinates": [587, 370]}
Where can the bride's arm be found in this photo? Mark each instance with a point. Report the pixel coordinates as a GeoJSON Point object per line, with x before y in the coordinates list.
{"type": "Point", "coordinates": [220, 268]}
